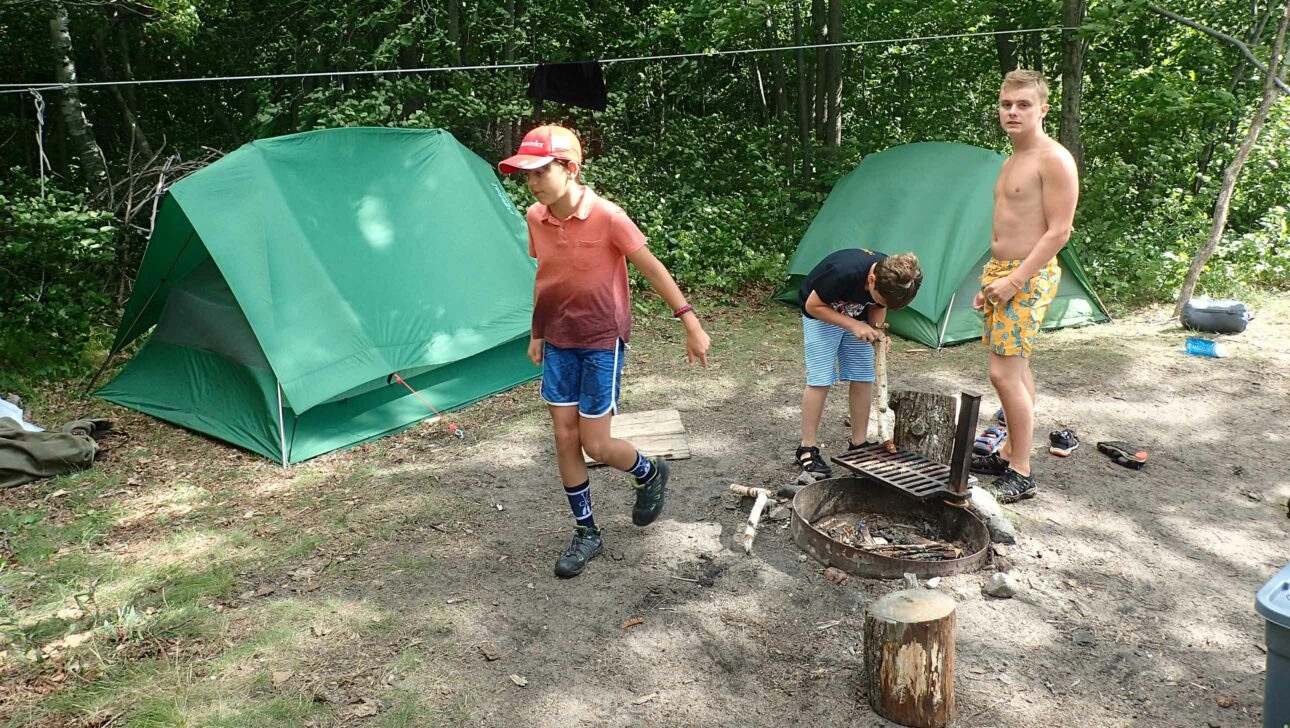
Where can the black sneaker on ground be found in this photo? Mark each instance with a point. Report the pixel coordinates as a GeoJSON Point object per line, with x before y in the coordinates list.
{"type": "Point", "coordinates": [812, 463]}
{"type": "Point", "coordinates": [586, 545]}
{"type": "Point", "coordinates": [990, 464]}
{"type": "Point", "coordinates": [649, 494]}
{"type": "Point", "coordinates": [857, 445]}
{"type": "Point", "coordinates": [1013, 486]}
{"type": "Point", "coordinates": [1063, 442]}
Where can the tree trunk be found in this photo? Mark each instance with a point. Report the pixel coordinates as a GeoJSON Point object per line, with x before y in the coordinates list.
{"type": "Point", "coordinates": [1233, 171]}
{"type": "Point", "coordinates": [1006, 46]}
{"type": "Point", "coordinates": [122, 101]}
{"type": "Point", "coordinates": [509, 126]}
{"type": "Point", "coordinates": [1033, 45]}
{"type": "Point", "coordinates": [1074, 44]}
{"type": "Point", "coordinates": [777, 68]}
{"type": "Point", "coordinates": [909, 657]}
{"type": "Point", "coordinates": [833, 119]}
{"type": "Point", "coordinates": [454, 31]}
{"type": "Point", "coordinates": [127, 68]}
{"type": "Point", "coordinates": [410, 57]}
{"type": "Point", "coordinates": [925, 423]}
{"type": "Point", "coordinates": [804, 100]}
{"type": "Point", "coordinates": [79, 130]}
{"type": "Point", "coordinates": [819, 36]}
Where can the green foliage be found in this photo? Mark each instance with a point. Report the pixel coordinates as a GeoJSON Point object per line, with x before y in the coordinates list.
{"type": "Point", "coordinates": [697, 151]}
{"type": "Point", "coordinates": [55, 254]}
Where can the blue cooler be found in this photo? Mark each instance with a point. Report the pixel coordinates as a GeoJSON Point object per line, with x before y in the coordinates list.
{"type": "Point", "coordinates": [1273, 604]}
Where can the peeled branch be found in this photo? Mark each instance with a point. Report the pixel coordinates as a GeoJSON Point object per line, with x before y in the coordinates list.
{"type": "Point", "coordinates": [880, 347]}
{"type": "Point", "coordinates": [763, 496]}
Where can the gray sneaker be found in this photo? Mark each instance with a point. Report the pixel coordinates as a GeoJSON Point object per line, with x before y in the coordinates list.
{"type": "Point", "coordinates": [649, 495]}
{"type": "Point", "coordinates": [586, 545]}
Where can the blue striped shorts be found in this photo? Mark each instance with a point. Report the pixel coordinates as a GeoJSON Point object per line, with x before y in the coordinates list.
{"type": "Point", "coordinates": [834, 354]}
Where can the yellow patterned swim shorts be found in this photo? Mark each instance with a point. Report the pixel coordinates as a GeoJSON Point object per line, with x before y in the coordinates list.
{"type": "Point", "coordinates": [1010, 327]}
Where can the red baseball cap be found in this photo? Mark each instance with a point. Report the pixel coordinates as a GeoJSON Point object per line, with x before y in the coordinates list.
{"type": "Point", "coordinates": [540, 147]}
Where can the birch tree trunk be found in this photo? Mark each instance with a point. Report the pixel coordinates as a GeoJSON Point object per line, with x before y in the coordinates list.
{"type": "Point", "coordinates": [79, 130]}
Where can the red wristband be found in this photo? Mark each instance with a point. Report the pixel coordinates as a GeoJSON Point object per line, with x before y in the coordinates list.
{"type": "Point", "coordinates": [678, 313]}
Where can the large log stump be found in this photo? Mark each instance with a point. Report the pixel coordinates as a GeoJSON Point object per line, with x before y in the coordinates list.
{"type": "Point", "coordinates": [909, 657]}
{"type": "Point", "coordinates": [925, 423]}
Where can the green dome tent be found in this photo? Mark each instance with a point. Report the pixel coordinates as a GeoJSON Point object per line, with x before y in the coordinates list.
{"type": "Point", "coordinates": [287, 281]}
{"type": "Point", "coordinates": [936, 200]}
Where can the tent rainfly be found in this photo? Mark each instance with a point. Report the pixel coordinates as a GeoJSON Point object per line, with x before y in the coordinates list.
{"type": "Point", "coordinates": [287, 281]}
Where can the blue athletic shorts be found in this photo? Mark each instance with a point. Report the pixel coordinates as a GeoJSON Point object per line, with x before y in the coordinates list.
{"type": "Point", "coordinates": [591, 379]}
{"type": "Point", "coordinates": [834, 354]}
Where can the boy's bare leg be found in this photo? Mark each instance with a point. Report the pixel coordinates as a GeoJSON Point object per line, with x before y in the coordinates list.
{"type": "Point", "coordinates": [812, 410]}
{"type": "Point", "coordinates": [1009, 375]}
{"type": "Point", "coordinates": [860, 399]}
{"type": "Point", "coordinates": [595, 439]}
{"type": "Point", "coordinates": [568, 445]}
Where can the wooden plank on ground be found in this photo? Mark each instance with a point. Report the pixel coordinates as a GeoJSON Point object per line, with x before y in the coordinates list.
{"type": "Point", "coordinates": [655, 433]}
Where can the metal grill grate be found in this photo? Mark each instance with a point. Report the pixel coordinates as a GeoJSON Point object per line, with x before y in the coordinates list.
{"type": "Point", "coordinates": [903, 470]}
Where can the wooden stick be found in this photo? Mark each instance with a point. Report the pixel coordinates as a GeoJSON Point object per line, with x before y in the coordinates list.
{"type": "Point", "coordinates": [880, 348]}
{"type": "Point", "coordinates": [749, 491]}
{"type": "Point", "coordinates": [750, 530]}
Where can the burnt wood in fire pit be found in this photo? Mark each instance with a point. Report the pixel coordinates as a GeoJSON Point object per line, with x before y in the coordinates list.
{"type": "Point", "coordinates": [820, 506]}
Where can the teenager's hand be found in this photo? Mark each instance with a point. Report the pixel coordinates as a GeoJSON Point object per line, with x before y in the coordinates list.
{"type": "Point", "coordinates": [978, 301]}
{"type": "Point", "coordinates": [865, 332]}
{"type": "Point", "coordinates": [535, 351]}
{"type": "Point", "coordinates": [697, 342]}
{"type": "Point", "coordinates": [1001, 291]}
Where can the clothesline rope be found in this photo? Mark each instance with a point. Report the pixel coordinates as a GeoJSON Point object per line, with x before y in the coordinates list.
{"type": "Point", "coordinates": [8, 88]}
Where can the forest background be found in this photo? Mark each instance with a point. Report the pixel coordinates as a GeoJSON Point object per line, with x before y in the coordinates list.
{"type": "Point", "coordinates": [721, 159]}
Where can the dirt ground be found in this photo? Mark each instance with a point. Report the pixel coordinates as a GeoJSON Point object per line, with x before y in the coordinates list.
{"type": "Point", "coordinates": [409, 582]}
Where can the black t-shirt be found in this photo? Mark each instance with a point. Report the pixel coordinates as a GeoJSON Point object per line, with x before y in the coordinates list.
{"type": "Point", "coordinates": [839, 280]}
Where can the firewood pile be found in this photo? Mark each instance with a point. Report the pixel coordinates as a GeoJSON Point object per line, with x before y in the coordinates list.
{"type": "Point", "coordinates": [883, 536]}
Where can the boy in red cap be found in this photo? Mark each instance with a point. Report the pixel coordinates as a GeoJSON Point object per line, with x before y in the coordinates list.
{"type": "Point", "coordinates": [581, 323]}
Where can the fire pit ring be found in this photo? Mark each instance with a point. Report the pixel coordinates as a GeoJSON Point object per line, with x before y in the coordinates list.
{"type": "Point", "coordinates": [844, 495]}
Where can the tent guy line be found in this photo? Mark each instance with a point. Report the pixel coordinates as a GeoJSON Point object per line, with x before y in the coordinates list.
{"type": "Point", "coordinates": [10, 88]}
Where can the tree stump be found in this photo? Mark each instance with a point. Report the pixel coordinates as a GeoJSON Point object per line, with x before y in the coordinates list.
{"type": "Point", "coordinates": [909, 657]}
{"type": "Point", "coordinates": [925, 423]}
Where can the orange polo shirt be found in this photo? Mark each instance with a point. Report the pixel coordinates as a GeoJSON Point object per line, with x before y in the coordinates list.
{"type": "Point", "coordinates": [580, 297]}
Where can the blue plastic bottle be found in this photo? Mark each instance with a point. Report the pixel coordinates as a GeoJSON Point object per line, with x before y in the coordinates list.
{"type": "Point", "coordinates": [1205, 347]}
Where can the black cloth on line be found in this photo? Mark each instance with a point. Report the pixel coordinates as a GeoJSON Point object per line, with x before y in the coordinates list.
{"type": "Point", "coordinates": [576, 84]}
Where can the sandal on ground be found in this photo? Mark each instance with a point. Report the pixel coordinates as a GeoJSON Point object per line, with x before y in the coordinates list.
{"type": "Point", "coordinates": [1123, 453]}
{"type": "Point", "coordinates": [989, 441]}
{"type": "Point", "coordinates": [809, 459]}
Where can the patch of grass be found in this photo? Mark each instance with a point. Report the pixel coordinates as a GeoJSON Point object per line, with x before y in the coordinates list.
{"type": "Point", "coordinates": [181, 588]}
{"type": "Point", "coordinates": [118, 685]}
{"type": "Point", "coordinates": [406, 710]}
{"type": "Point", "coordinates": [362, 475]}
{"type": "Point", "coordinates": [407, 660]}
{"type": "Point", "coordinates": [271, 713]}
{"type": "Point", "coordinates": [302, 547]}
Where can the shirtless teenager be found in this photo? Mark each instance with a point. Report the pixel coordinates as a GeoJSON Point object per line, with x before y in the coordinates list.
{"type": "Point", "coordinates": [1034, 208]}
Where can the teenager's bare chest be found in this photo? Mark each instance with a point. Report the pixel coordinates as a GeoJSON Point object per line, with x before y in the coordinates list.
{"type": "Point", "coordinates": [1019, 182]}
